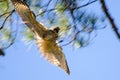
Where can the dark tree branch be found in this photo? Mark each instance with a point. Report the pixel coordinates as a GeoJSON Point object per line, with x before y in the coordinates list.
{"type": "Point", "coordinates": [11, 38]}
{"type": "Point", "coordinates": [67, 6]}
{"type": "Point", "coordinates": [75, 36]}
{"type": "Point", "coordinates": [1, 52]}
{"type": "Point", "coordinates": [90, 2]}
{"type": "Point", "coordinates": [5, 13]}
{"type": "Point", "coordinates": [10, 13]}
{"type": "Point", "coordinates": [110, 18]}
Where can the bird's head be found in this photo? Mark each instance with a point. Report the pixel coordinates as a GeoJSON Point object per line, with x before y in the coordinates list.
{"type": "Point", "coordinates": [51, 34]}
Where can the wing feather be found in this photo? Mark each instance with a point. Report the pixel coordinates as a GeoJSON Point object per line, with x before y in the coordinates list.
{"type": "Point", "coordinates": [53, 53]}
{"type": "Point", "coordinates": [28, 17]}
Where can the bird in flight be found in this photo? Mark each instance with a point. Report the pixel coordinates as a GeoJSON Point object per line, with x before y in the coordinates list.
{"type": "Point", "coordinates": [46, 39]}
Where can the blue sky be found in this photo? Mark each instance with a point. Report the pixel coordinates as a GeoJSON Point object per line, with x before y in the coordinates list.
{"type": "Point", "coordinates": [98, 61]}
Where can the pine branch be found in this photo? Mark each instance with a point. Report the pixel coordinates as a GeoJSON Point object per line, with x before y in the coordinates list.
{"type": "Point", "coordinates": [115, 28]}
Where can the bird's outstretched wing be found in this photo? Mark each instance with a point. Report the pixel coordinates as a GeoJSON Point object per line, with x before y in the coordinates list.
{"type": "Point", "coordinates": [45, 38]}
{"type": "Point", "coordinates": [52, 51]}
{"type": "Point", "coordinates": [28, 17]}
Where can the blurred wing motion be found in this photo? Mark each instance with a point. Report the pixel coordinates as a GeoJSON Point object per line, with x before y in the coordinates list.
{"type": "Point", "coordinates": [45, 38]}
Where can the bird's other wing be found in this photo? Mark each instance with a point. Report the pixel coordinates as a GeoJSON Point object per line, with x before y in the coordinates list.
{"type": "Point", "coordinates": [53, 53]}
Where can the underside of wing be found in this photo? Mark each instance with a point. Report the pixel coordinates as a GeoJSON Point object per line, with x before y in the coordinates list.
{"type": "Point", "coordinates": [53, 53]}
{"type": "Point", "coordinates": [28, 17]}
